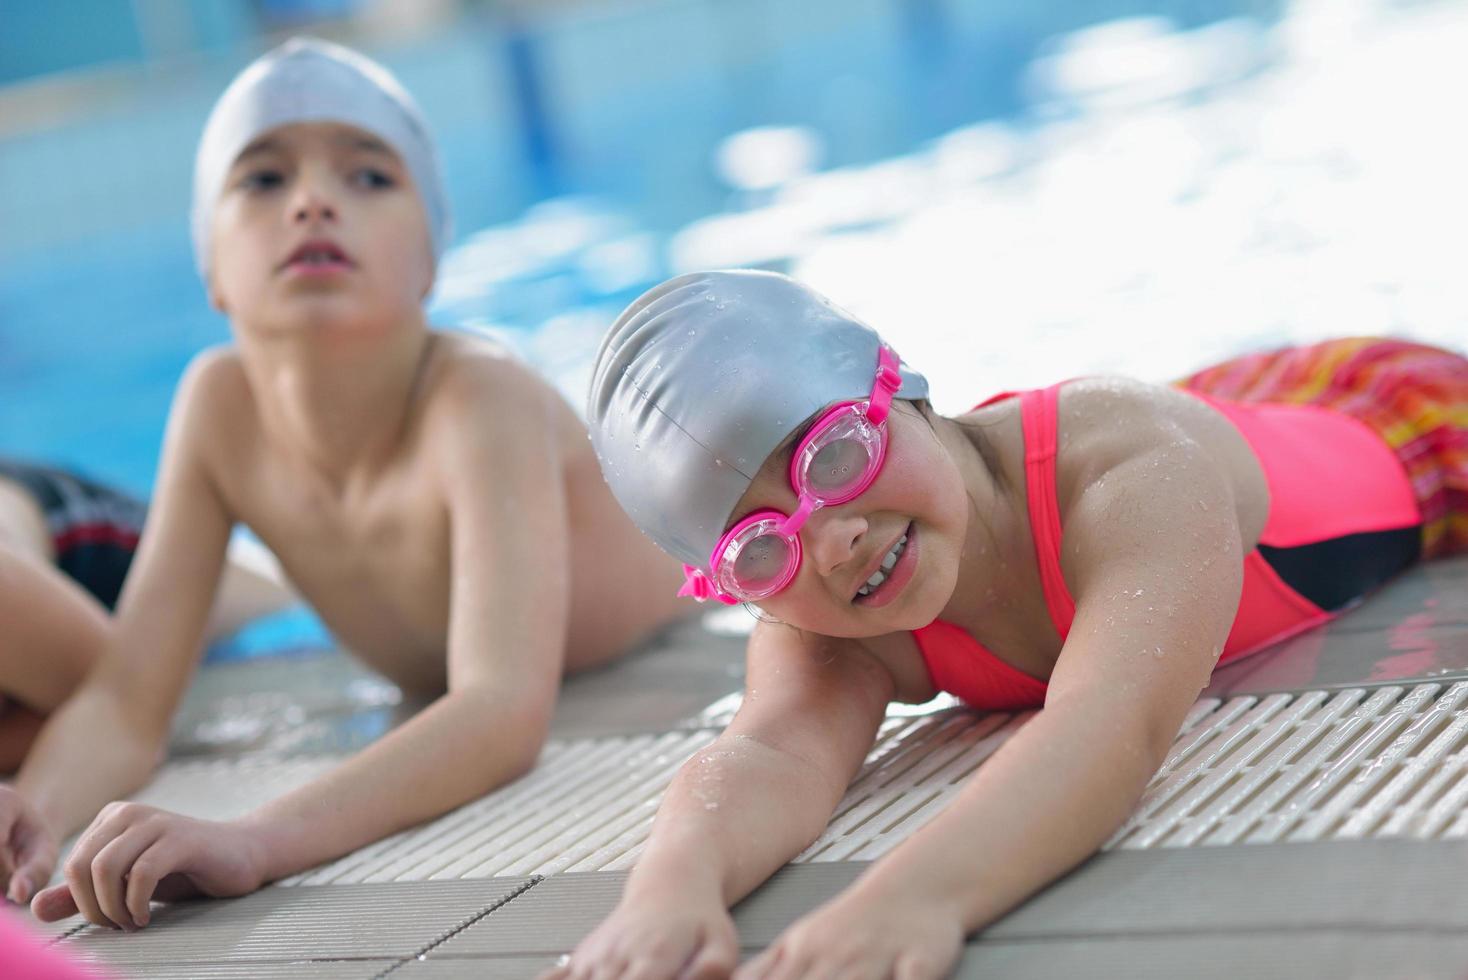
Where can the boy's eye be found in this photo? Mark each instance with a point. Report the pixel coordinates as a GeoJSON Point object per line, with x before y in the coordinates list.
{"type": "Point", "coordinates": [372, 178]}
{"type": "Point", "coordinates": [262, 180]}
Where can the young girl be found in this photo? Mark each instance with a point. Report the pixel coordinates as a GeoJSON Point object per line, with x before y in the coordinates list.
{"type": "Point", "coordinates": [1096, 548]}
{"type": "Point", "coordinates": [66, 543]}
{"type": "Point", "coordinates": [435, 501]}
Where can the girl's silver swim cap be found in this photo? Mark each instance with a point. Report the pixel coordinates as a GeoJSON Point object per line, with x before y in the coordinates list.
{"type": "Point", "coordinates": [306, 80]}
{"type": "Point", "coordinates": [701, 378]}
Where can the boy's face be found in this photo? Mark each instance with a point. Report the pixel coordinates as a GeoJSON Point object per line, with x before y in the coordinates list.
{"type": "Point", "coordinates": [319, 224]}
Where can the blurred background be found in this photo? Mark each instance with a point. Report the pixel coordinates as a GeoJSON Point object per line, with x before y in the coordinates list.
{"type": "Point", "coordinates": [1013, 192]}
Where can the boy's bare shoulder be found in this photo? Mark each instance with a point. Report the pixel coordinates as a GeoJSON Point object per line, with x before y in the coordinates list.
{"type": "Point", "coordinates": [473, 383]}
{"type": "Point", "coordinates": [214, 393]}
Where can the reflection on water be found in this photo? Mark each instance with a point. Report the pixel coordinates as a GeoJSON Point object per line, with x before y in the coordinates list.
{"type": "Point", "coordinates": [1153, 197]}
{"type": "Point", "coordinates": [1167, 199]}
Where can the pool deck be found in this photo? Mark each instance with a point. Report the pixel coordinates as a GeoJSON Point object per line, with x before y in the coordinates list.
{"type": "Point", "coordinates": [1376, 908]}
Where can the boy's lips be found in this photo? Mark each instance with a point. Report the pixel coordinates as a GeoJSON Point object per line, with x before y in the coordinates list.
{"type": "Point", "coordinates": [317, 256]}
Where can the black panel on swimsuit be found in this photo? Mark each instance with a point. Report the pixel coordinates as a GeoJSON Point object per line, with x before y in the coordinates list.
{"type": "Point", "coordinates": [1334, 572]}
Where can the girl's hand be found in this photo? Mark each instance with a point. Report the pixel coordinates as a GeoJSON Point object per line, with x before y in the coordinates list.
{"type": "Point", "coordinates": [677, 939]}
{"type": "Point", "coordinates": [28, 848]}
{"type": "Point", "coordinates": [855, 938]}
{"type": "Point", "coordinates": [133, 854]}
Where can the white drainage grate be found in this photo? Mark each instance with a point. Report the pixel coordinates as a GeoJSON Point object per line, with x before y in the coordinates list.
{"type": "Point", "coordinates": [1321, 765]}
{"type": "Point", "coordinates": [1389, 762]}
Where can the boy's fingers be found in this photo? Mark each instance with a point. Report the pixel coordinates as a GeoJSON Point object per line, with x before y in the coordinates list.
{"type": "Point", "coordinates": [53, 904]}
{"type": "Point", "coordinates": [110, 869]}
{"type": "Point", "coordinates": [19, 890]}
{"type": "Point", "coordinates": [151, 867]}
{"type": "Point", "coordinates": [79, 883]}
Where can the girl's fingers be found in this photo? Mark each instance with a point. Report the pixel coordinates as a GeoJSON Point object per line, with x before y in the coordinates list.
{"type": "Point", "coordinates": [715, 960]}
{"type": "Point", "coordinates": [110, 869]}
{"type": "Point", "coordinates": [759, 967]}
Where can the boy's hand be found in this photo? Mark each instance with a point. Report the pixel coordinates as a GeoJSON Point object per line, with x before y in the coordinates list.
{"type": "Point", "coordinates": [855, 938]}
{"type": "Point", "coordinates": [28, 849]}
{"type": "Point", "coordinates": [651, 940]}
{"type": "Point", "coordinates": [134, 854]}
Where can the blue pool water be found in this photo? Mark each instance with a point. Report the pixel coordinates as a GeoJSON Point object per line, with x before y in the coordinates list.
{"type": "Point", "coordinates": [1011, 192]}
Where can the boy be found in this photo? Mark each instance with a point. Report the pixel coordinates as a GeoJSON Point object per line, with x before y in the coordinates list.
{"type": "Point", "coordinates": [438, 504]}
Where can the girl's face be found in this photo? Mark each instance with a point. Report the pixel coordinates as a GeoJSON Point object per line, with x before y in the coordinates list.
{"type": "Point", "coordinates": [919, 494]}
{"type": "Point", "coordinates": [319, 224]}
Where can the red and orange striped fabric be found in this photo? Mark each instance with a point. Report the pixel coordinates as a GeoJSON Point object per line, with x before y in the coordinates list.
{"type": "Point", "coordinates": [1414, 396]}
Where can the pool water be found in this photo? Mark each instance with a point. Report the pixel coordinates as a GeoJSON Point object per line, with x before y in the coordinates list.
{"type": "Point", "coordinates": [1011, 196]}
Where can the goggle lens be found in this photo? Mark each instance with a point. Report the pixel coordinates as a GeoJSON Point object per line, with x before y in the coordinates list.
{"type": "Point", "coordinates": [758, 562]}
{"type": "Point", "coordinates": [839, 460]}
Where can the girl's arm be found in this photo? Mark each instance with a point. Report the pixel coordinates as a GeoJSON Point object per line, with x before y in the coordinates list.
{"type": "Point", "coordinates": [741, 808]}
{"type": "Point", "coordinates": [104, 741]}
{"type": "Point", "coordinates": [1156, 578]}
{"type": "Point", "coordinates": [508, 608]}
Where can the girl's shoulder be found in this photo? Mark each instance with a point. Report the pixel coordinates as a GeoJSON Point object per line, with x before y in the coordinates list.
{"type": "Point", "coordinates": [1102, 422]}
{"type": "Point", "coordinates": [1108, 428]}
{"type": "Point", "coordinates": [1118, 428]}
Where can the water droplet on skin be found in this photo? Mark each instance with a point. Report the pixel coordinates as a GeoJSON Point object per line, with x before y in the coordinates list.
{"type": "Point", "coordinates": [1202, 506]}
{"type": "Point", "coordinates": [1157, 653]}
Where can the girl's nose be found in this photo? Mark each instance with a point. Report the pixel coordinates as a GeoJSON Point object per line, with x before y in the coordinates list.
{"type": "Point", "coordinates": [832, 536]}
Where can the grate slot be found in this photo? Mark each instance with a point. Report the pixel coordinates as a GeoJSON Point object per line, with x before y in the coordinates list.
{"type": "Point", "coordinates": [1250, 779]}
{"type": "Point", "coordinates": [1412, 770]}
{"type": "Point", "coordinates": [1346, 758]}
{"type": "Point", "coordinates": [1249, 744]}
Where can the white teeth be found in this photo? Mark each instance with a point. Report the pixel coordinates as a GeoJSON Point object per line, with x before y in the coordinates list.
{"type": "Point", "coordinates": [894, 554]}
{"type": "Point", "coordinates": [888, 563]}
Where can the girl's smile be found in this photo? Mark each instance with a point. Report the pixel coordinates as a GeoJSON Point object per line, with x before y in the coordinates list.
{"type": "Point", "coordinates": [898, 565]}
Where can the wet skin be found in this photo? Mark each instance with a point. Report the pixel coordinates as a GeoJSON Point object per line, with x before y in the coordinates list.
{"type": "Point", "coordinates": [1158, 495]}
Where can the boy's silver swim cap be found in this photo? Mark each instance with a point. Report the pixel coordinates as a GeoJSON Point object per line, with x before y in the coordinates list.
{"type": "Point", "coordinates": [701, 378]}
{"type": "Point", "coordinates": [306, 80]}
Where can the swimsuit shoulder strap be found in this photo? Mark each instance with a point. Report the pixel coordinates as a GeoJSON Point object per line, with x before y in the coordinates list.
{"type": "Point", "coordinates": [1039, 417]}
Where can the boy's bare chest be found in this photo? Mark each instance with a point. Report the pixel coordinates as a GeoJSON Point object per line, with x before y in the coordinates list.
{"type": "Point", "coordinates": [374, 565]}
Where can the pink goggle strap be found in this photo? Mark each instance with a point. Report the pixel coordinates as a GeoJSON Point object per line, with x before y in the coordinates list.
{"type": "Point", "coordinates": [700, 587]}
{"type": "Point", "coordinates": [889, 380]}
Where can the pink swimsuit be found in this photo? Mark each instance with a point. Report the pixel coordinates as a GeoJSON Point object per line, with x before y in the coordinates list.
{"type": "Point", "coordinates": [1332, 481]}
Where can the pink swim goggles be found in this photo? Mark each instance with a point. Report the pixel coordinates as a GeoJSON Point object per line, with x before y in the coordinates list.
{"type": "Point", "coordinates": [835, 462]}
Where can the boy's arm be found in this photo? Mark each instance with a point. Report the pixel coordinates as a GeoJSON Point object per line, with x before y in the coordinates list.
{"type": "Point", "coordinates": [1154, 604]}
{"type": "Point", "coordinates": [509, 603]}
{"type": "Point", "coordinates": [744, 806]}
{"type": "Point", "coordinates": [508, 610]}
{"type": "Point", "coordinates": [103, 742]}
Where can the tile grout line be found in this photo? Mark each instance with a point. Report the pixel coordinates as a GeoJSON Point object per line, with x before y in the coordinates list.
{"type": "Point", "coordinates": [68, 933]}
{"type": "Point", "coordinates": [455, 930]}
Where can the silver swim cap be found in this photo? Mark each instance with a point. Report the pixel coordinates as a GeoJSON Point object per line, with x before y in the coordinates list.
{"type": "Point", "coordinates": [306, 80]}
{"type": "Point", "coordinates": [701, 378]}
